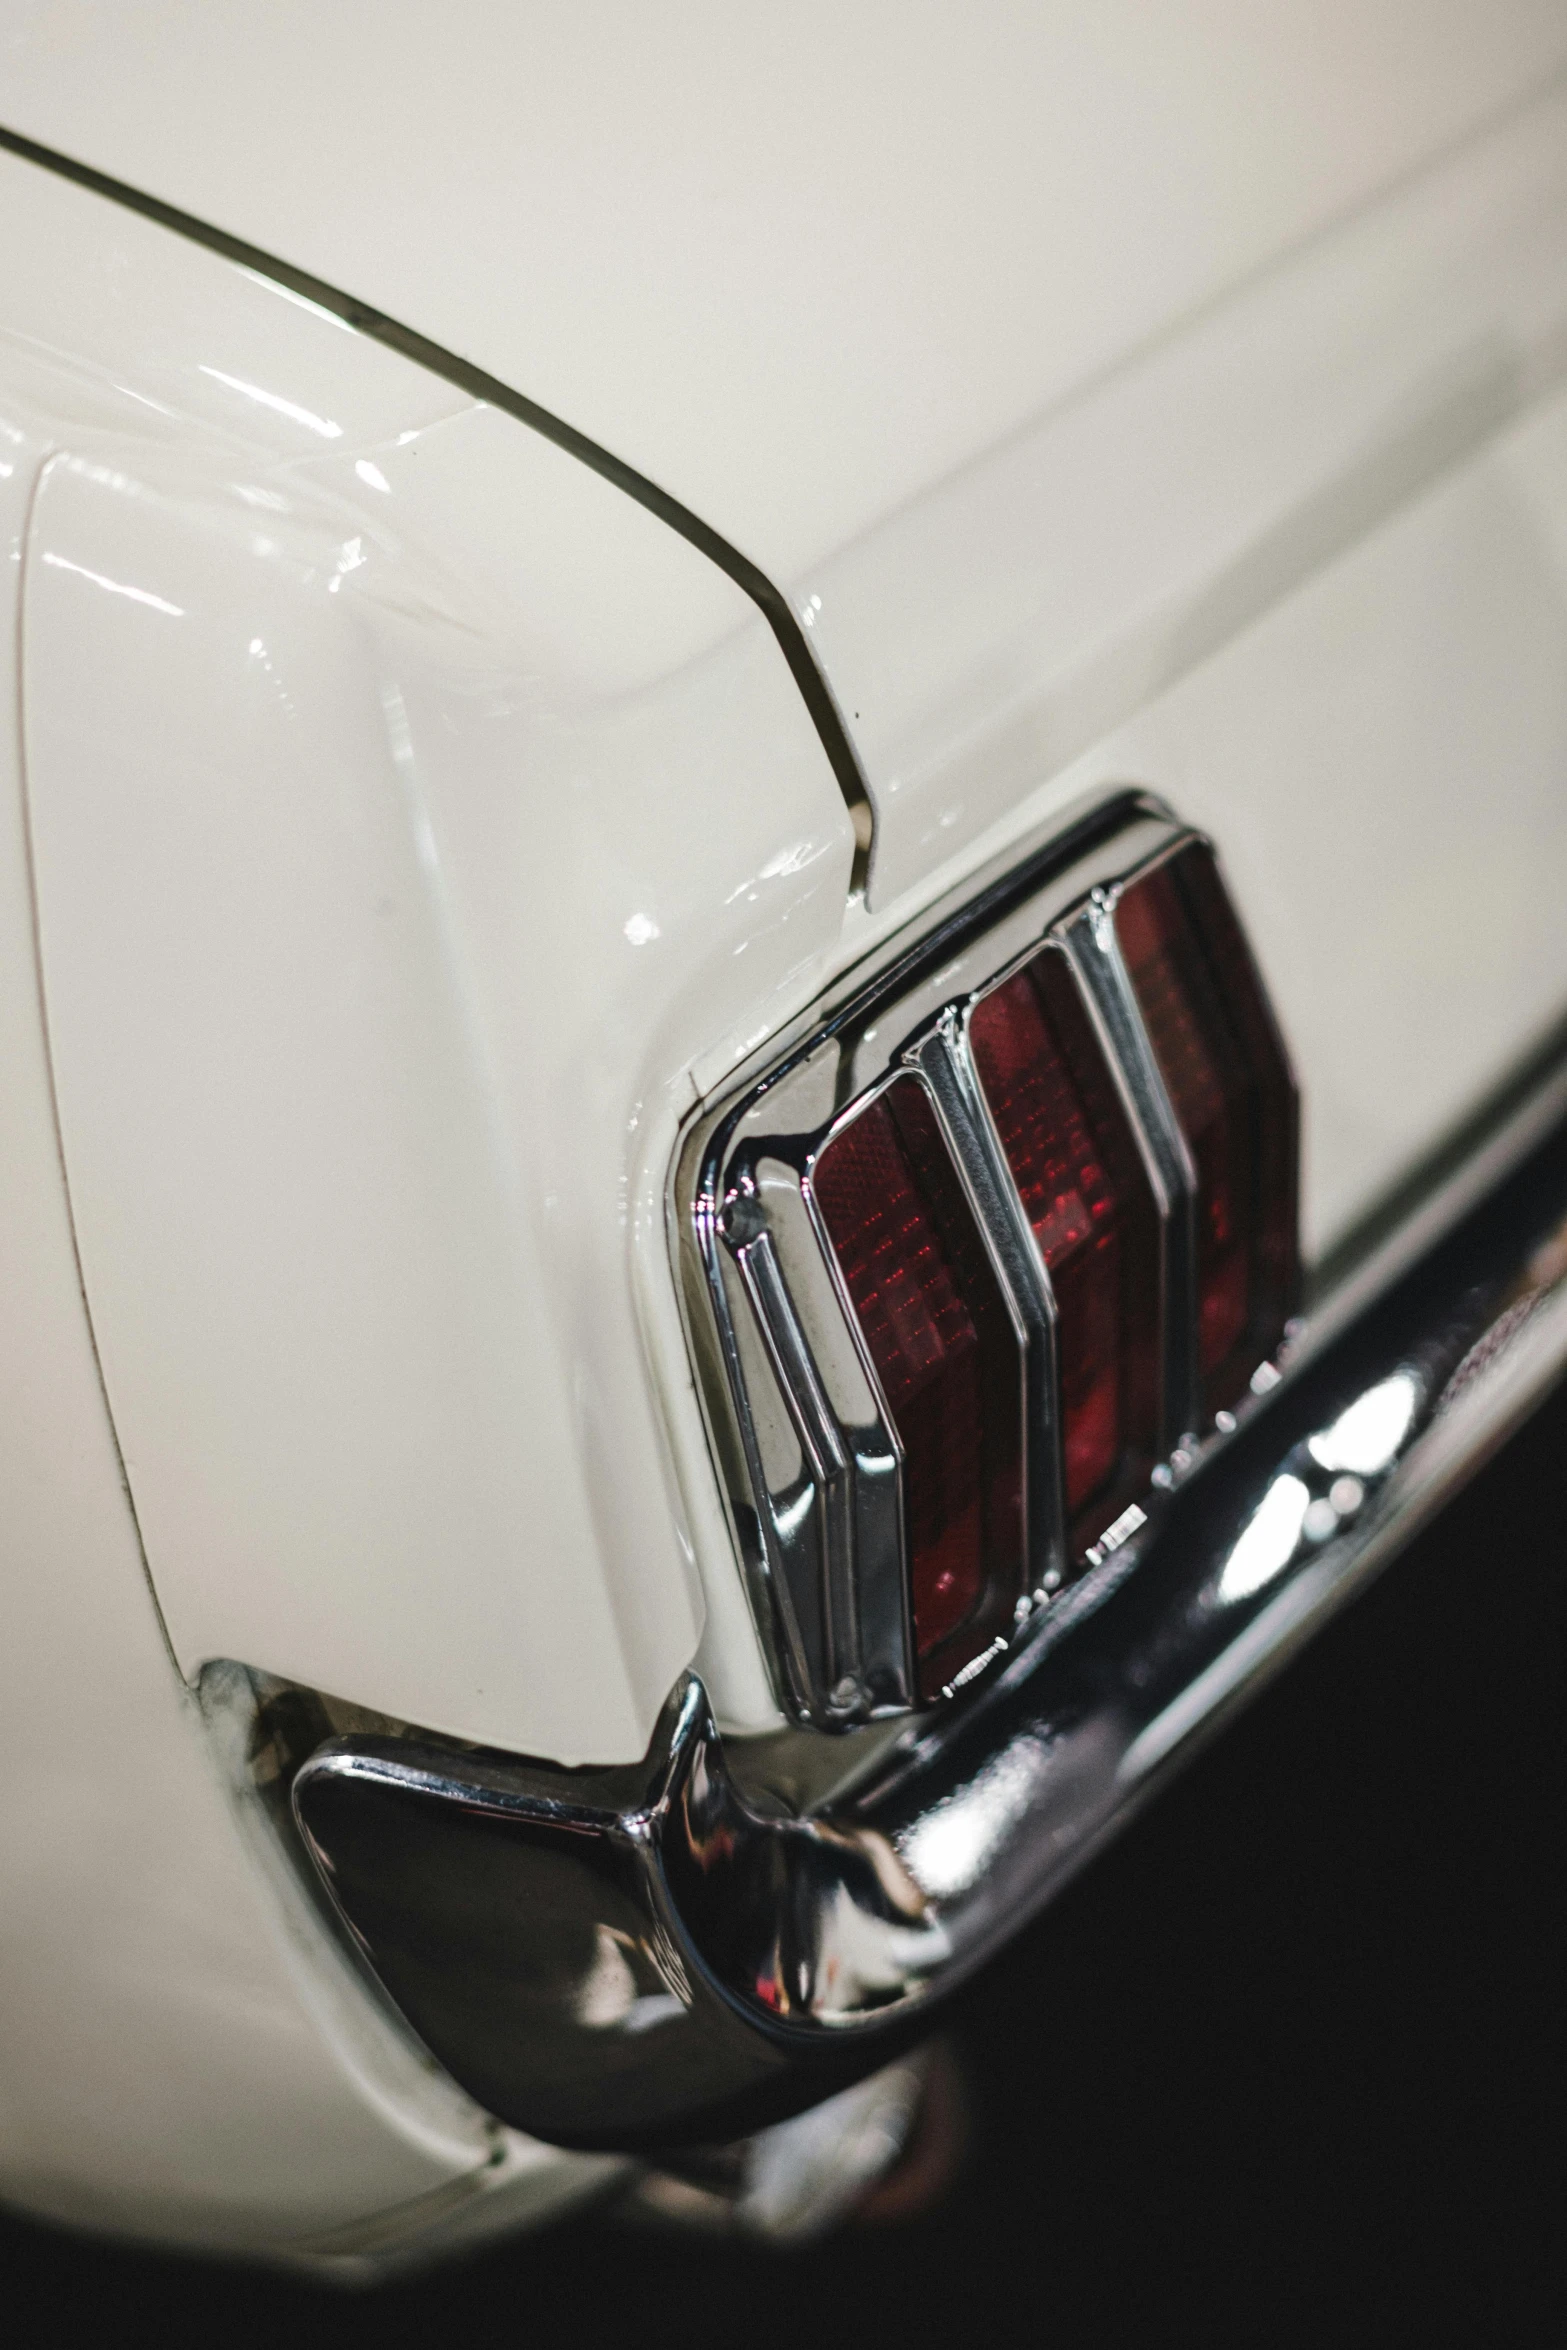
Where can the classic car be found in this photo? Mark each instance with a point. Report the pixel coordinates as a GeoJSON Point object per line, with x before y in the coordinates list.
{"type": "Point", "coordinates": [781, 1020]}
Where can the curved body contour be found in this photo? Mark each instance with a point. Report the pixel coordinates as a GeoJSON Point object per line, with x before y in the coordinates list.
{"type": "Point", "coordinates": [413, 814]}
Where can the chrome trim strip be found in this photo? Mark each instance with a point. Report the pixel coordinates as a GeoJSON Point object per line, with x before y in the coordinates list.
{"type": "Point", "coordinates": [878, 1674]}
{"type": "Point", "coordinates": [1096, 956]}
{"type": "Point", "coordinates": [948, 1065]}
{"type": "Point", "coordinates": [623, 1958]}
{"type": "Point", "coordinates": [826, 1453]}
{"type": "Point", "coordinates": [834, 1543]}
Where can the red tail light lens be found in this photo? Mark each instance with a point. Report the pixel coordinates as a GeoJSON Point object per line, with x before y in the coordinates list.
{"type": "Point", "coordinates": [1231, 1087]}
{"type": "Point", "coordinates": [1083, 1185]}
{"type": "Point", "coordinates": [940, 1337]}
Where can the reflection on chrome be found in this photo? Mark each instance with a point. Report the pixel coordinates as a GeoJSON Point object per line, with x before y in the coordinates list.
{"type": "Point", "coordinates": [1342, 1499]}
{"type": "Point", "coordinates": [1269, 1542]}
{"type": "Point", "coordinates": [1366, 1438]}
{"type": "Point", "coordinates": [864, 1962]}
{"type": "Point", "coordinates": [608, 1998]}
{"type": "Point", "coordinates": [792, 1515]}
{"type": "Point", "coordinates": [952, 1846]}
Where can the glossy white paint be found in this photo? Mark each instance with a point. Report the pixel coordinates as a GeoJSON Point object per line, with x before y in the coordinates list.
{"type": "Point", "coordinates": [419, 826]}
{"type": "Point", "coordinates": [1319, 508]}
{"type": "Point", "coordinates": [387, 894]}
{"type": "Point", "coordinates": [1381, 758]}
{"type": "Point", "coordinates": [795, 264]}
{"type": "Point", "coordinates": [180, 2054]}
{"type": "Point", "coordinates": [998, 627]}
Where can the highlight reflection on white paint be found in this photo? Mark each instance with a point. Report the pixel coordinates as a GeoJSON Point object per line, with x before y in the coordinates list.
{"type": "Point", "coordinates": [117, 587]}
{"type": "Point", "coordinates": [1365, 1438]}
{"type": "Point", "coordinates": [1269, 1541]}
{"type": "Point", "coordinates": [793, 859]}
{"type": "Point", "coordinates": [269, 285]}
{"type": "Point", "coordinates": [275, 400]}
{"type": "Point", "coordinates": [350, 557]}
{"type": "Point", "coordinates": [641, 930]}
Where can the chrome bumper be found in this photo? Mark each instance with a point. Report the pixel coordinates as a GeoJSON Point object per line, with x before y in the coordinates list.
{"type": "Point", "coordinates": [636, 1957]}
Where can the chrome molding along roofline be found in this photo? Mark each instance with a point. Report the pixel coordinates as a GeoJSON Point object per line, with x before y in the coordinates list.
{"type": "Point", "coordinates": [619, 1959]}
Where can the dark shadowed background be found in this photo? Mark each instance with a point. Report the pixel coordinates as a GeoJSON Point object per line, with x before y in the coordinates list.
{"type": "Point", "coordinates": [1284, 2067]}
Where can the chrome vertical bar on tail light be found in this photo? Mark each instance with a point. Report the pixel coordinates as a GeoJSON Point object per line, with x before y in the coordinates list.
{"type": "Point", "coordinates": [1075, 1168]}
{"type": "Point", "coordinates": [834, 1539]}
{"type": "Point", "coordinates": [1095, 950]}
{"type": "Point", "coordinates": [924, 1285]}
{"type": "Point", "coordinates": [948, 1064]}
{"type": "Point", "coordinates": [1229, 1082]}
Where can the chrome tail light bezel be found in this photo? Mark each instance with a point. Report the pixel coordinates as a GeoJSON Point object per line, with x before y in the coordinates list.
{"type": "Point", "coordinates": [800, 1432]}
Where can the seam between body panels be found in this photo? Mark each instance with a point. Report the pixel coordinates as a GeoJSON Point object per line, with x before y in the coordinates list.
{"type": "Point", "coordinates": [24, 786]}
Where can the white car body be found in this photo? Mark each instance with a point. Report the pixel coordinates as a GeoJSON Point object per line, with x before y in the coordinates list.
{"type": "Point", "coordinates": [405, 823]}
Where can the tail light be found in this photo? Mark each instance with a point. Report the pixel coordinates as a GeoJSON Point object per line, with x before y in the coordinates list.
{"type": "Point", "coordinates": [1230, 1088]}
{"type": "Point", "coordinates": [937, 1330]}
{"type": "Point", "coordinates": [984, 1250]}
